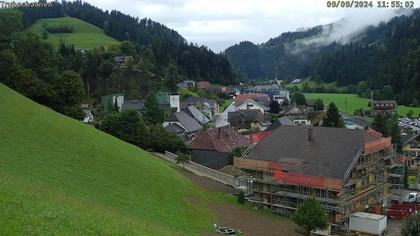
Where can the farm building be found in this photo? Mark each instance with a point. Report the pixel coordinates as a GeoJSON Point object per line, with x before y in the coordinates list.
{"type": "Point", "coordinates": [383, 106]}
{"type": "Point", "coordinates": [212, 147]}
{"type": "Point", "coordinates": [411, 152]}
{"type": "Point", "coordinates": [346, 170]}
{"type": "Point", "coordinates": [261, 98]}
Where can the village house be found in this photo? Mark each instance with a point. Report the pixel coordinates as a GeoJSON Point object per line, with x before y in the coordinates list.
{"type": "Point", "coordinates": [88, 117]}
{"type": "Point", "coordinates": [251, 120]}
{"type": "Point", "coordinates": [298, 114]}
{"type": "Point", "coordinates": [208, 107]}
{"type": "Point", "coordinates": [183, 125]}
{"type": "Point", "coordinates": [122, 60]}
{"type": "Point", "coordinates": [296, 81]}
{"type": "Point", "coordinates": [212, 147]}
{"type": "Point", "coordinates": [383, 106]}
{"type": "Point", "coordinates": [108, 102]}
{"type": "Point", "coordinates": [168, 101]}
{"type": "Point", "coordinates": [345, 170]}
{"type": "Point", "coordinates": [261, 98]}
{"type": "Point", "coordinates": [204, 85]}
{"type": "Point", "coordinates": [250, 104]}
{"type": "Point", "coordinates": [133, 105]}
{"type": "Point", "coordinates": [411, 152]}
{"type": "Point", "coordinates": [197, 114]}
{"type": "Point", "coordinates": [281, 96]}
{"type": "Point", "coordinates": [271, 88]}
{"type": "Point", "coordinates": [284, 120]}
{"type": "Point", "coordinates": [188, 84]}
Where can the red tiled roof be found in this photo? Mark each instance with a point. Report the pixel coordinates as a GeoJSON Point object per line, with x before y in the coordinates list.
{"type": "Point", "coordinates": [254, 96]}
{"type": "Point", "coordinates": [203, 85]}
{"type": "Point", "coordinates": [223, 139]}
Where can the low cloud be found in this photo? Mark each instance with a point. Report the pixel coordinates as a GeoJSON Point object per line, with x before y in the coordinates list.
{"type": "Point", "coordinates": [221, 23]}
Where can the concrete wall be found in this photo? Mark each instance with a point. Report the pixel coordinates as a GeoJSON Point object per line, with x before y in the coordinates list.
{"type": "Point", "coordinates": [211, 159]}
{"type": "Point", "coordinates": [205, 171]}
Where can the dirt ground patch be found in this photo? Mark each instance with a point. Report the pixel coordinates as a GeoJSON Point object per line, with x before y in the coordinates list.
{"type": "Point", "coordinates": [251, 222]}
{"type": "Point", "coordinates": [207, 183]}
{"type": "Point", "coordinates": [248, 221]}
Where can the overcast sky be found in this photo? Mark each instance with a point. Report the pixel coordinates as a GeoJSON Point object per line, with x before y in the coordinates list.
{"type": "Point", "coordinates": [219, 24]}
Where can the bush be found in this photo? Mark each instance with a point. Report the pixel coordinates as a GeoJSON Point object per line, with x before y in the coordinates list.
{"type": "Point", "coordinates": [411, 226]}
{"type": "Point", "coordinates": [311, 215]}
{"type": "Point", "coordinates": [241, 197]}
{"type": "Point", "coordinates": [60, 29]}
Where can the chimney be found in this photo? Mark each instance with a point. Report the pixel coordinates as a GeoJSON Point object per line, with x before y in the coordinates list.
{"type": "Point", "coordinates": [310, 133]}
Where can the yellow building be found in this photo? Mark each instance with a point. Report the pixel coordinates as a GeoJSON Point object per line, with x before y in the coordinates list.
{"type": "Point", "coordinates": [411, 152]}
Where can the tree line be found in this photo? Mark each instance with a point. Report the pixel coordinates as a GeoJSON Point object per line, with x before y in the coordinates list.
{"type": "Point", "coordinates": [384, 56]}
{"type": "Point", "coordinates": [168, 47]}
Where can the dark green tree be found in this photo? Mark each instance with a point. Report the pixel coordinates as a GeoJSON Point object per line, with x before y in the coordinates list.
{"type": "Point", "coordinates": [319, 105]}
{"type": "Point", "coordinates": [127, 126]}
{"type": "Point", "coordinates": [182, 158]}
{"type": "Point", "coordinates": [299, 98]}
{"type": "Point", "coordinates": [310, 215]}
{"type": "Point", "coordinates": [44, 34]}
{"type": "Point", "coordinates": [410, 114]}
{"type": "Point", "coordinates": [152, 112]}
{"type": "Point", "coordinates": [285, 103]}
{"type": "Point", "coordinates": [171, 77]}
{"type": "Point", "coordinates": [387, 124]}
{"type": "Point", "coordinates": [162, 141]}
{"type": "Point", "coordinates": [274, 107]}
{"type": "Point", "coordinates": [387, 93]}
{"type": "Point", "coordinates": [378, 123]}
{"type": "Point", "coordinates": [333, 117]}
{"type": "Point", "coordinates": [237, 152]}
{"type": "Point", "coordinates": [241, 197]}
{"type": "Point", "coordinates": [411, 226]}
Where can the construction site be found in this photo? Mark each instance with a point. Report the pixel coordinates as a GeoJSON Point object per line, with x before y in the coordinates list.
{"type": "Point", "coordinates": [347, 171]}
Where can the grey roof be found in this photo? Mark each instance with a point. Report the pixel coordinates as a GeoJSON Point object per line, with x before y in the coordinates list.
{"type": "Point", "coordinates": [329, 154]}
{"type": "Point", "coordinates": [284, 120]}
{"type": "Point", "coordinates": [408, 138]}
{"type": "Point", "coordinates": [174, 128]}
{"type": "Point", "coordinates": [136, 105]}
{"type": "Point", "coordinates": [219, 121]}
{"type": "Point", "coordinates": [197, 101]}
{"type": "Point", "coordinates": [245, 116]}
{"type": "Point", "coordinates": [197, 114]}
{"type": "Point", "coordinates": [187, 121]}
{"type": "Point", "coordinates": [283, 93]}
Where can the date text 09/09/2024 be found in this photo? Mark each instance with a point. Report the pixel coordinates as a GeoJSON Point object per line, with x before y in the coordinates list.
{"type": "Point", "coordinates": [370, 4]}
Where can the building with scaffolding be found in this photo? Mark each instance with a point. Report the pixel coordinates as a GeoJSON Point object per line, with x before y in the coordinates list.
{"type": "Point", "coordinates": [345, 170]}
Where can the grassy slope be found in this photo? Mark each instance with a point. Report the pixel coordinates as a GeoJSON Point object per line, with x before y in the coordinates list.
{"type": "Point", "coordinates": [59, 176]}
{"type": "Point", "coordinates": [354, 102]}
{"type": "Point", "coordinates": [85, 35]}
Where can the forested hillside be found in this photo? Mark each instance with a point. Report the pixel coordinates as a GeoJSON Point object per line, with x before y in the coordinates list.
{"type": "Point", "coordinates": [62, 76]}
{"type": "Point", "coordinates": [167, 46]}
{"type": "Point", "coordinates": [387, 54]}
{"type": "Point", "coordinates": [284, 57]}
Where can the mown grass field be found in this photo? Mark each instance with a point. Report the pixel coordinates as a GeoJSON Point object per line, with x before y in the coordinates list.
{"type": "Point", "coordinates": [85, 35]}
{"type": "Point", "coordinates": [61, 177]}
{"type": "Point", "coordinates": [353, 102]}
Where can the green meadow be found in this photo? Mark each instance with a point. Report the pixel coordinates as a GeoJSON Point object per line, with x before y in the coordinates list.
{"type": "Point", "coordinates": [84, 36]}
{"type": "Point", "coordinates": [347, 103]}
{"type": "Point", "coordinates": [59, 176]}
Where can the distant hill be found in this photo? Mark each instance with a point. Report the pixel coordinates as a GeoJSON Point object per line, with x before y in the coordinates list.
{"type": "Point", "coordinates": [386, 54]}
{"type": "Point", "coordinates": [167, 46]}
{"type": "Point", "coordinates": [84, 35]}
{"type": "Point", "coordinates": [61, 177]}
